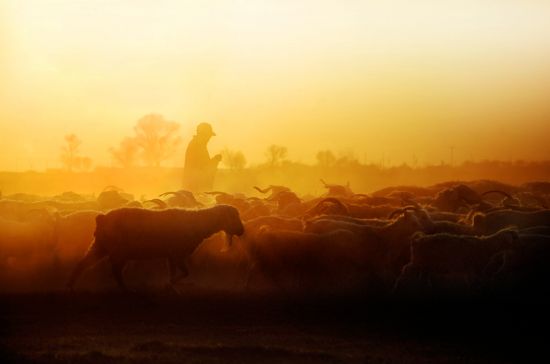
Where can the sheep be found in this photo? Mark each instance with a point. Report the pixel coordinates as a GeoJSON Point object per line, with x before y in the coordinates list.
{"type": "Point", "coordinates": [524, 271]}
{"type": "Point", "coordinates": [443, 255]}
{"type": "Point", "coordinates": [302, 262]}
{"type": "Point", "coordinates": [323, 226]}
{"type": "Point", "coordinates": [334, 206]}
{"type": "Point", "coordinates": [70, 196]}
{"type": "Point", "coordinates": [431, 226]}
{"type": "Point", "coordinates": [414, 190]}
{"type": "Point", "coordinates": [374, 200]}
{"type": "Point", "coordinates": [532, 199]}
{"type": "Point", "coordinates": [288, 203]}
{"type": "Point", "coordinates": [257, 209]}
{"type": "Point", "coordinates": [74, 233]}
{"type": "Point", "coordinates": [207, 260]}
{"type": "Point", "coordinates": [496, 220]}
{"type": "Point", "coordinates": [537, 187]}
{"type": "Point", "coordinates": [140, 234]}
{"type": "Point", "coordinates": [454, 198]}
{"type": "Point", "coordinates": [221, 197]}
{"type": "Point", "coordinates": [515, 203]}
{"type": "Point", "coordinates": [17, 210]}
{"type": "Point", "coordinates": [337, 190]}
{"type": "Point", "coordinates": [23, 197]}
{"type": "Point", "coordinates": [135, 204]}
{"type": "Point", "coordinates": [508, 200]}
{"type": "Point", "coordinates": [391, 240]}
{"type": "Point", "coordinates": [274, 190]}
{"type": "Point", "coordinates": [537, 230]}
{"type": "Point", "coordinates": [227, 199]}
{"type": "Point", "coordinates": [29, 241]}
{"type": "Point", "coordinates": [355, 220]}
{"type": "Point", "coordinates": [111, 199]}
{"type": "Point", "coordinates": [159, 204]}
{"type": "Point", "coordinates": [67, 207]}
{"type": "Point", "coordinates": [444, 216]}
{"type": "Point", "coordinates": [181, 198]}
{"type": "Point", "coordinates": [328, 206]}
{"type": "Point", "coordinates": [253, 226]}
{"type": "Point", "coordinates": [276, 222]}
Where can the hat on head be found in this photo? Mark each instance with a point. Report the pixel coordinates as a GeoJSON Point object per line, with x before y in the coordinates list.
{"type": "Point", "coordinates": [205, 129]}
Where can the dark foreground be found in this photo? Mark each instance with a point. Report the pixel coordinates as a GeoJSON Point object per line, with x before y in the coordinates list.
{"type": "Point", "coordinates": [226, 328]}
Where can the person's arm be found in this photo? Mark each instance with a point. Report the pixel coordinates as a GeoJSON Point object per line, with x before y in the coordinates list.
{"type": "Point", "coordinates": [216, 159]}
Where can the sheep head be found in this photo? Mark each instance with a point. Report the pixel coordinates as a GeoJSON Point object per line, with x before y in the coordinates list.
{"type": "Point", "coordinates": [230, 222]}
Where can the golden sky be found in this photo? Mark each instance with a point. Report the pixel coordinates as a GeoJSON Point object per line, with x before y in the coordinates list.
{"type": "Point", "coordinates": [393, 78]}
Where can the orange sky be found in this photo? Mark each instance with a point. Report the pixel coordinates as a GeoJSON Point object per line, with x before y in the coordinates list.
{"type": "Point", "coordinates": [392, 78]}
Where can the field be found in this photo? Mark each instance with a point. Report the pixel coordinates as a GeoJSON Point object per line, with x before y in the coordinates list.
{"type": "Point", "coordinates": [200, 327]}
{"type": "Point", "coordinates": [370, 288]}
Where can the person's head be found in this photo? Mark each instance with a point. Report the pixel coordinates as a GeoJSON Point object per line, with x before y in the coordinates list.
{"type": "Point", "coordinates": [204, 131]}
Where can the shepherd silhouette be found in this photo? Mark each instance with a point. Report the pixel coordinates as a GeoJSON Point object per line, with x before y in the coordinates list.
{"type": "Point", "coordinates": [199, 170]}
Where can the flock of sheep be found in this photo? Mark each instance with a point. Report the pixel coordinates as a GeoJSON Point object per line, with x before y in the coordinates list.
{"type": "Point", "coordinates": [451, 238]}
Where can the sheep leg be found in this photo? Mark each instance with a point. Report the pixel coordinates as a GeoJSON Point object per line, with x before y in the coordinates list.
{"type": "Point", "coordinates": [117, 267]}
{"type": "Point", "coordinates": [250, 272]}
{"type": "Point", "coordinates": [173, 271]}
{"type": "Point", "coordinates": [408, 280]}
{"type": "Point", "coordinates": [174, 276]}
{"type": "Point", "coordinates": [93, 255]}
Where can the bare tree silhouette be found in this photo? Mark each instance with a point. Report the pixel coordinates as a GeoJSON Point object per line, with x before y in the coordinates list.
{"type": "Point", "coordinates": [127, 152]}
{"type": "Point", "coordinates": [234, 160]}
{"type": "Point", "coordinates": [85, 163]}
{"type": "Point", "coordinates": [70, 154]}
{"type": "Point", "coordinates": [157, 137]}
{"type": "Point", "coordinates": [275, 154]}
{"type": "Point", "coordinates": [325, 158]}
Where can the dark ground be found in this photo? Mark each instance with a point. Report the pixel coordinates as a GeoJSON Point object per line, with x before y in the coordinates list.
{"type": "Point", "coordinates": [228, 328]}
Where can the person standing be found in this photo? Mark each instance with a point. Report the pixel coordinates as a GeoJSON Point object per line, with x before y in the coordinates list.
{"type": "Point", "coordinates": [199, 170]}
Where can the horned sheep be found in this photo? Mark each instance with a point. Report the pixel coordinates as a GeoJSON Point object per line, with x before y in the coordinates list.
{"type": "Point", "coordinates": [448, 255]}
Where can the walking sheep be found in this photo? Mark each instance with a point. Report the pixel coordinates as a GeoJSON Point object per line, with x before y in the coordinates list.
{"type": "Point", "coordinates": [139, 234]}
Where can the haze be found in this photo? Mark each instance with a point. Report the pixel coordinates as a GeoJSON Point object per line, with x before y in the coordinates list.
{"type": "Point", "coordinates": [396, 79]}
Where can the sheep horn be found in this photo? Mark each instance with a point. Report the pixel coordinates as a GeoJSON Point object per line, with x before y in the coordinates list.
{"type": "Point", "coordinates": [275, 197]}
{"type": "Point", "coordinates": [159, 202]}
{"type": "Point", "coordinates": [266, 190]}
{"type": "Point", "coordinates": [216, 193]}
{"type": "Point", "coordinates": [112, 188]}
{"type": "Point", "coordinates": [252, 198]}
{"type": "Point", "coordinates": [325, 200]}
{"type": "Point", "coordinates": [170, 193]}
{"type": "Point", "coordinates": [505, 194]}
{"type": "Point", "coordinates": [186, 193]}
{"type": "Point", "coordinates": [401, 211]}
{"type": "Point", "coordinates": [333, 200]}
